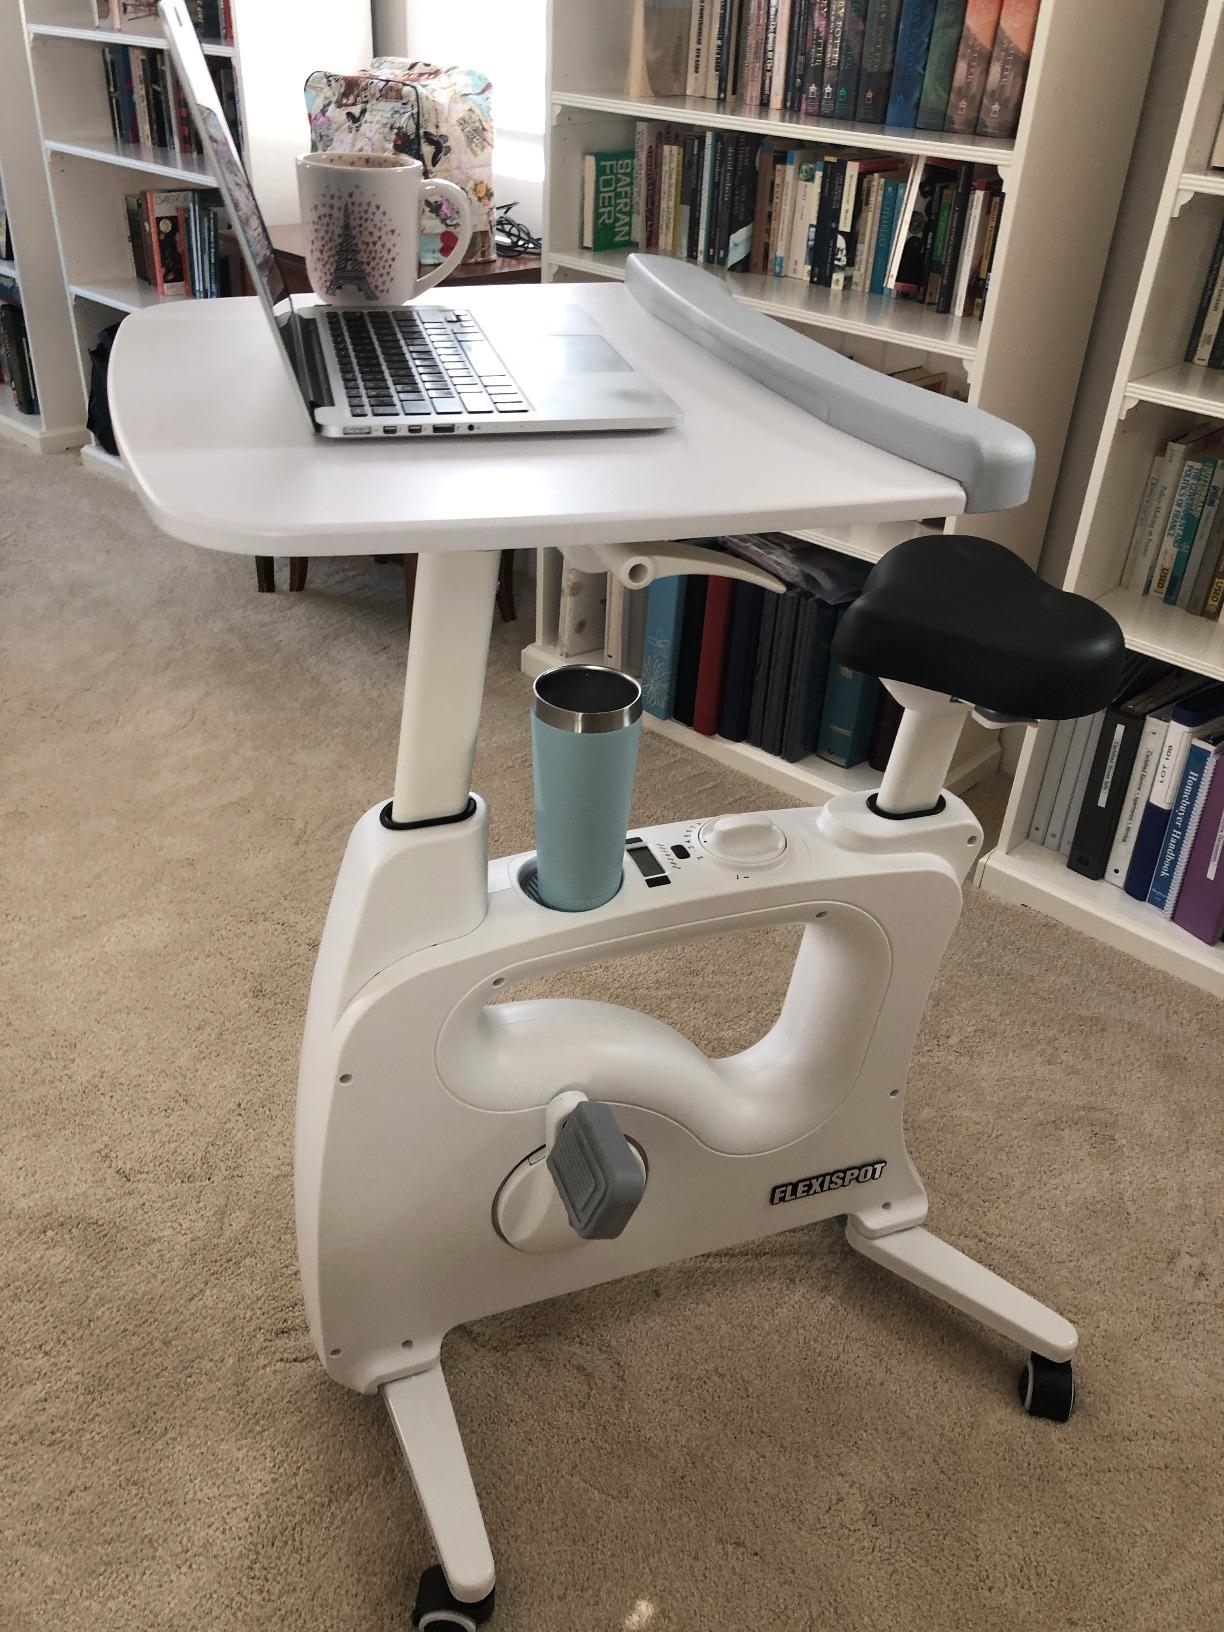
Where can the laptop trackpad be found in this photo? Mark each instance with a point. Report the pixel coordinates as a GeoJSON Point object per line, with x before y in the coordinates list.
{"type": "Point", "coordinates": [578, 354]}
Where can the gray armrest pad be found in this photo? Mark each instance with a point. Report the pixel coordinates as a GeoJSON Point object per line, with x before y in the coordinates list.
{"type": "Point", "coordinates": [992, 460]}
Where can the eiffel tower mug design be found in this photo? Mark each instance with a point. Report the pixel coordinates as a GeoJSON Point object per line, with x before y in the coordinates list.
{"type": "Point", "coordinates": [361, 220]}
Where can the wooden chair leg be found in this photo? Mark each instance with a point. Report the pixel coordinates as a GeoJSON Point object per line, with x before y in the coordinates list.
{"type": "Point", "coordinates": [410, 572]}
{"type": "Point", "coordinates": [297, 571]}
{"type": "Point", "coordinates": [505, 587]}
{"type": "Point", "coordinates": [265, 574]}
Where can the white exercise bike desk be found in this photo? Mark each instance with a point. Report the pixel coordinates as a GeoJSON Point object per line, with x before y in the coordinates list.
{"type": "Point", "coordinates": [423, 1107]}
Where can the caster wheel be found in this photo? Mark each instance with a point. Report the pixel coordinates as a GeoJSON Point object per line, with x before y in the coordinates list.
{"type": "Point", "coordinates": [1047, 1388]}
{"type": "Point", "coordinates": [437, 1607]}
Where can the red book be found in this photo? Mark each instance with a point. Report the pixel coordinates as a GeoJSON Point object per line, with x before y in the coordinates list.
{"type": "Point", "coordinates": [713, 656]}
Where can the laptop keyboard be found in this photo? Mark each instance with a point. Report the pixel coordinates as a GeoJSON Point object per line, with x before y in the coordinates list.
{"type": "Point", "coordinates": [406, 362]}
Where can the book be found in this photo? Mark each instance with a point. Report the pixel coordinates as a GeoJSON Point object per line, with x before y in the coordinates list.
{"type": "Point", "coordinates": [832, 58]}
{"type": "Point", "coordinates": [808, 677]}
{"type": "Point", "coordinates": [972, 66]}
{"type": "Point", "coordinates": [661, 644]}
{"type": "Point", "coordinates": [774, 84]}
{"type": "Point", "coordinates": [702, 11]}
{"type": "Point", "coordinates": [805, 209]}
{"type": "Point", "coordinates": [1199, 908]}
{"type": "Point", "coordinates": [706, 201]}
{"type": "Point", "coordinates": [850, 61]}
{"type": "Point", "coordinates": [1113, 763]}
{"type": "Point", "coordinates": [582, 617]}
{"type": "Point", "coordinates": [658, 48]}
{"type": "Point", "coordinates": [607, 200]}
{"type": "Point", "coordinates": [1188, 505]}
{"type": "Point", "coordinates": [1134, 802]}
{"type": "Point", "coordinates": [890, 202]}
{"type": "Point", "coordinates": [1196, 540]}
{"type": "Point", "coordinates": [971, 248]}
{"type": "Point", "coordinates": [907, 214]}
{"type": "Point", "coordinates": [1197, 585]}
{"type": "Point", "coordinates": [684, 702]}
{"type": "Point", "coordinates": [1184, 719]}
{"type": "Point", "coordinates": [1061, 815]}
{"type": "Point", "coordinates": [743, 201]}
{"type": "Point", "coordinates": [813, 69]}
{"type": "Point", "coordinates": [753, 27]}
{"type": "Point", "coordinates": [1206, 326]}
{"type": "Point", "coordinates": [954, 243]}
{"type": "Point", "coordinates": [747, 603]}
{"type": "Point", "coordinates": [711, 664]}
{"type": "Point", "coordinates": [1183, 820]}
{"type": "Point", "coordinates": [1173, 462]}
{"type": "Point", "coordinates": [1056, 761]}
{"type": "Point", "coordinates": [778, 678]}
{"type": "Point", "coordinates": [1009, 66]}
{"type": "Point", "coordinates": [946, 30]}
{"type": "Point", "coordinates": [847, 716]}
{"type": "Point", "coordinates": [768, 171]}
{"type": "Point", "coordinates": [910, 59]}
{"type": "Point", "coordinates": [760, 669]}
{"type": "Point", "coordinates": [167, 245]}
{"type": "Point", "coordinates": [879, 53]}
{"type": "Point", "coordinates": [823, 237]}
{"type": "Point", "coordinates": [1079, 787]}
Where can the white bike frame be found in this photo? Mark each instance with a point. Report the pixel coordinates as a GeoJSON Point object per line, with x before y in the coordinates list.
{"type": "Point", "coordinates": [424, 1107]}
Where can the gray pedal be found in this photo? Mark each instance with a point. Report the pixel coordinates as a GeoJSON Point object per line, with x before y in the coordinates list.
{"type": "Point", "coordinates": [596, 1171]}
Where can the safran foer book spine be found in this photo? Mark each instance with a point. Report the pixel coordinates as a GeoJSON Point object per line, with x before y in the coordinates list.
{"type": "Point", "coordinates": [972, 66]}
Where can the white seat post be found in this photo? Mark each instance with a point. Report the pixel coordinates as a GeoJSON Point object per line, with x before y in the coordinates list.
{"type": "Point", "coordinates": [922, 755]}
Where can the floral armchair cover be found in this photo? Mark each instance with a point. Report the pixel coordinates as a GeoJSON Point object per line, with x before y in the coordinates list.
{"type": "Point", "coordinates": [438, 115]}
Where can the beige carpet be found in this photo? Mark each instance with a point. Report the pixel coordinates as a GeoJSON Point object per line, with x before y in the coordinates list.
{"type": "Point", "coordinates": [780, 1436]}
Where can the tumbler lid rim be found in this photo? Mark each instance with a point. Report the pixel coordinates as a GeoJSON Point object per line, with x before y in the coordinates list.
{"type": "Point", "coordinates": [586, 681]}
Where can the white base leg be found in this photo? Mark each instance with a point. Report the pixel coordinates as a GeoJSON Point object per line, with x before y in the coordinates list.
{"type": "Point", "coordinates": [420, 1408]}
{"type": "Point", "coordinates": [918, 1256]}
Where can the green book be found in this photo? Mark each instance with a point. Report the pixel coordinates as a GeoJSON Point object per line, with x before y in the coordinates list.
{"type": "Point", "coordinates": [847, 717]}
{"type": "Point", "coordinates": [941, 64]}
{"type": "Point", "coordinates": [607, 200]}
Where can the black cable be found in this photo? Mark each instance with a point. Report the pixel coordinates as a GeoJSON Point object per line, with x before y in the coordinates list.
{"type": "Point", "coordinates": [512, 237]}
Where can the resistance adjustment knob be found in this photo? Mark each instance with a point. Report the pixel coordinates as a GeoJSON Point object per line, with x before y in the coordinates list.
{"type": "Point", "coordinates": [743, 841]}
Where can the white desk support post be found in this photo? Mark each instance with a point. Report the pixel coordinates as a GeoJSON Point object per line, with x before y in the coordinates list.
{"type": "Point", "coordinates": [423, 1105]}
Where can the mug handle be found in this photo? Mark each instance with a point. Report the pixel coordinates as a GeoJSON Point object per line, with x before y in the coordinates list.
{"type": "Point", "coordinates": [457, 196]}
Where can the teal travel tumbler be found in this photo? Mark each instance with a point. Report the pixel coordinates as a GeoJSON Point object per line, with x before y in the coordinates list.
{"type": "Point", "coordinates": [585, 726]}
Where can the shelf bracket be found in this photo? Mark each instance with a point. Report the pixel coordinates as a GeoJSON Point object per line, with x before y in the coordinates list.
{"type": "Point", "coordinates": [1182, 197]}
{"type": "Point", "coordinates": [1128, 402]}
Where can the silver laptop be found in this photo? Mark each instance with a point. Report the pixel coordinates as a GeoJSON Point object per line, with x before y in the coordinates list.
{"type": "Point", "coordinates": [418, 370]}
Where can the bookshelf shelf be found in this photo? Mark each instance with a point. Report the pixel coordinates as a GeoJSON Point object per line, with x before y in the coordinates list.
{"type": "Point", "coordinates": [123, 294]}
{"type": "Point", "coordinates": [1133, 398]}
{"type": "Point", "coordinates": [710, 115]}
{"type": "Point", "coordinates": [66, 127]}
{"type": "Point", "coordinates": [1034, 877]}
{"type": "Point", "coordinates": [896, 322]}
{"type": "Point", "coordinates": [1167, 633]}
{"type": "Point", "coordinates": [154, 161]}
{"type": "Point", "coordinates": [147, 36]}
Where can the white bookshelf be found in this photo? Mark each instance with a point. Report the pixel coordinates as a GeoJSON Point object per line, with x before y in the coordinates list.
{"type": "Point", "coordinates": [1137, 393]}
{"type": "Point", "coordinates": [35, 275]}
{"type": "Point", "coordinates": [1062, 175]}
{"type": "Point", "coordinates": [88, 172]}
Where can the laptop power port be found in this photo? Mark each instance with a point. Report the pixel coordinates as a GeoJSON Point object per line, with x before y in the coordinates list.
{"type": "Point", "coordinates": [357, 430]}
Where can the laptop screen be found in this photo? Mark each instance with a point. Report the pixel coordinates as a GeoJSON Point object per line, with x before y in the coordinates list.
{"type": "Point", "coordinates": [221, 152]}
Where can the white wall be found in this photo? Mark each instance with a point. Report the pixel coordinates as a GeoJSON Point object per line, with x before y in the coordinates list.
{"type": "Point", "coordinates": [504, 39]}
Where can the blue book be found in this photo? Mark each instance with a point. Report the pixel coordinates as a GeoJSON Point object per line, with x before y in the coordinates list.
{"type": "Point", "coordinates": [847, 716]}
{"type": "Point", "coordinates": [1162, 893]}
{"type": "Point", "coordinates": [661, 647]}
{"type": "Point", "coordinates": [889, 205]}
{"type": "Point", "coordinates": [1192, 518]}
{"type": "Point", "coordinates": [1184, 720]}
{"type": "Point", "coordinates": [909, 65]}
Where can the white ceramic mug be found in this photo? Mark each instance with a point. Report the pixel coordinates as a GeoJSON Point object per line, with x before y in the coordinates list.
{"type": "Point", "coordinates": [361, 225]}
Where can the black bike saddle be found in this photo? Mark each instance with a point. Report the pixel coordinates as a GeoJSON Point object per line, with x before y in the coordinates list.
{"type": "Point", "coordinates": [966, 617]}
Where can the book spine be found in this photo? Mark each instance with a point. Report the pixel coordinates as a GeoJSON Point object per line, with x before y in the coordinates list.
{"type": "Point", "coordinates": [972, 66]}
{"type": "Point", "coordinates": [762, 217]}
{"type": "Point", "coordinates": [684, 210]}
{"type": "Point", "coordinates": [824, 249]}
{"type": "Point", "coordinates": [712, 663]}
{"type": "Point", "coordinates": [776, 66]}
{"type": "Point", "coordinates": [697, 155]}
{"type": "Point", "coordinates": [1210, 309]}
{"type": "Point", "coordinates": [127, 97]}
{"type": "Point", "coordinates": [1107, 781]}
{"type": "Point", "coordinates": [661, 648]}
{"type": "Point", "coordinates": [112, 93]}
{"type": "Point", "coordinates": [990, 242]}
{"type": "Point", "coordinates": [813, 72]}
{"type": "Point", "coordinates": [946, 33]}
{"type": "Point", "coordinates": [1056, 761]}
{"type": "Point", "coordinates": [847, 717]}
{"type": "Point", "coordinates": [971, 245]}
{"type": "Point", "coordinates": [726, 195]}
{"type": "Point", "coordinates": [639, 184]}
{"type": "Point", "coordinates": [1009, 66]}
{"type": "Point", "coordinates": [1187, 506]}
{"type": "Point", "coordinates": [909, 69]}
{"type": "Point", "coordinates": [685, 701]}
{"type": "Point", "coordinates": [906, 206]}
{"type": "Point", "coordinates": [138, 56]}
{"type": "Point", "coordinates": [1186, 568]}
{"type": "Point", "coordinates": [695, 79]}
{"type": "Point", "coordinates": [1162, 892]}
{"type": "Point", "coordinates": [1061, 814]}
{"type": "Point", "coordinates": [851, 61]}
{"type": "Point", "coordinates": [879, 53]}
{"type": "Point", "coordinates": [761, 668]}
{"type": "Point", "coordinates": [786, 220]}
{"type": "Point", "coordinates": [747, 603]}
{"type": "Point", "coordinates": [956, 241]}
{"type": "Point", "coordinates": [1151, 493]}
{"type": "Point", "coordinates": [1134, 801]}
{"type": "Point", "coordinates": [868, 232]}
{"type": "Point", "coordinates": [892, 193]}
{"type": "Point", "coordinates": [1154, 823]}
{"type": "Point", "coordinates": [667, 204]}
{"type": "Point", "coordinates": [743, 202]}
{"type": "Point", "coordinates": [803, 23]}
{"type": "Point", "coordinates": [845, 235]}
{"type": "Point", "coordinates": [1199, 908]}
{"type": "Point", "coordinates": [705, 201]}
{"type": "Point", "coordinates": [939, 218]}
{"type": "Point", "coordinates": [832, 58]}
